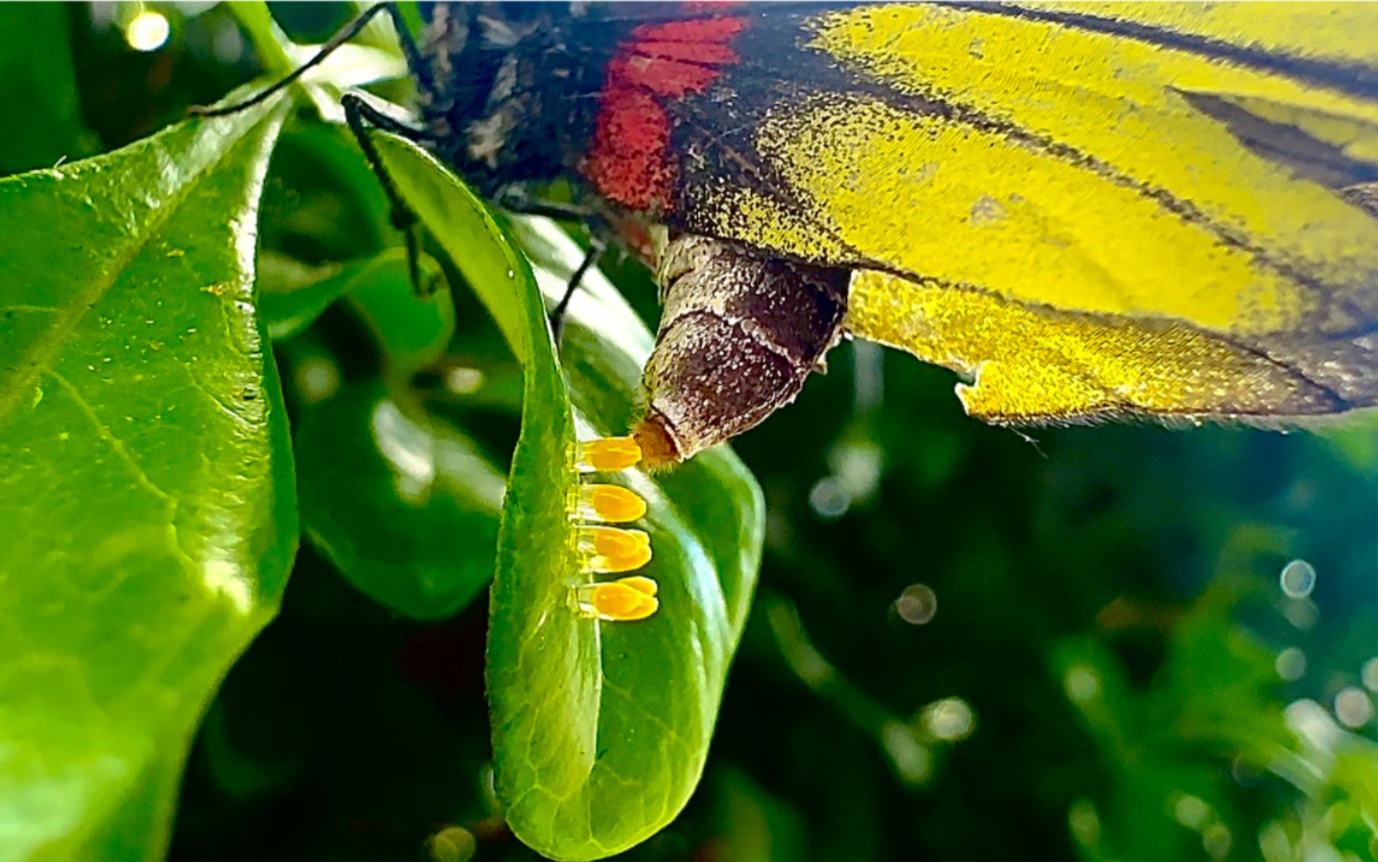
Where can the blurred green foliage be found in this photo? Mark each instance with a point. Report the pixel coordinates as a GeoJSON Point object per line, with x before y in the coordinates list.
{"type": "Point", "coordinates": [968, 643]}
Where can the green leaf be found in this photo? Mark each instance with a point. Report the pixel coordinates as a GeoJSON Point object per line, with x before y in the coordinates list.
{"type": "Point", "coordinates": [145, 477]}
{"type": "Point", "coordinates": [292, 295]}
{"type": "Point", "coordinates": [600, 730]}
{"type": "Point", "coordinates": [414, 331]}
{"type": "Point", "coordinates": [404, 505]}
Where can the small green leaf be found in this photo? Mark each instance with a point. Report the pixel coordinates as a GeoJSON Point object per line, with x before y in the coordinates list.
{"type": "Point", "coordinates": [405, 506]}
{"type": "Point", "coordinates": [600, 730]}
{"type": "Point", "coordinates": [145, 477]}
{"type": "Point", "coordinates": [415, 331]}
{"type": "Point", "coordinates": [292, 295]}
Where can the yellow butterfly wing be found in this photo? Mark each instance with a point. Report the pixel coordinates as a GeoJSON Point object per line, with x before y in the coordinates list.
{"type": "Point", "coordinates": [1094, 209]}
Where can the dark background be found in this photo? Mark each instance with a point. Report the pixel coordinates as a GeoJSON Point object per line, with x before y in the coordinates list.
{"type": "Point", "coordinates": [1101, 678]}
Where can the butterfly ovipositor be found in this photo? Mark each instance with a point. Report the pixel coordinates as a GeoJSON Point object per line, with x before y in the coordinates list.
{"type": "Point", "coordinates": [1090, 211]}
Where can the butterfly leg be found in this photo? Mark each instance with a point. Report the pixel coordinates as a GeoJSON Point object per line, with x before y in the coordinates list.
{"type": "Point", "coordinates": [741, 331]}
{"type": "Point", "coordinates": [557, 316]}
{"type": "Point", "coordinates": [515, 199]}
{"type": "Point", "coordinates": [409, 50]}
{"type": "Point", "coordinates": [361, 116]}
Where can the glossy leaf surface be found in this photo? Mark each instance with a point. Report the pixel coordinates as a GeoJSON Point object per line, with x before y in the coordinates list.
{"type": "Point", "coordinates": [145, 478]}
{"type": "Point", "coordinates": [406, 507]}
{"type": "Point", "coordinates": [600, 730]}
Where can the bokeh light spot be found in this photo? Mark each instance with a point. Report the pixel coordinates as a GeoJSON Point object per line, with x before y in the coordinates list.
{"type": "Point", "coordinates": [1353, 707]}
{"type": "Point", "coordinates": [830, 498]}
{"type": "Point", "coordinates": [226, 42]}
{"type": "Point", "coordinates": [147, 31]}
{"type": "Point", "coordinates": [1273, 841]}
{"type": "Point", "coordinates": [463, 381]}
{"type": "Point", "coordinates": [1311, 723]}
{"type": "Point", "coordinates": [1302, 613]}
{"type": "Point", "coordinates": [1291, 664]}
{"type": "Point", "coordinates": [452, 844]}
{"type": "Point", "coordinates": [910, 757]}
{"type": "Point", "coordinates": [917, 604]}
{"type": "Point", "coordinates": [950, 719]}
{"type": "Point", "coordinates": [1191, 811]}
{"type": "Point", "coordinates": [1369, 674]}
{"type": "Point", "coordinates": [1298, 579]}
{"type": "Point", "coordinates": [1081, 683]}
{"type": "Point", "coordinates": [317, 378]}
{"type": "Point", "coordinates": [1217, 840]}
{"type": "Point", "coordinates": [1084, 822]}
{"type": "Point", "coordinates": [858, 466]}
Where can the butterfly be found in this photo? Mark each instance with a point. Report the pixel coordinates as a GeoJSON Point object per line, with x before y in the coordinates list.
{"type": "Point", "coordinates": [1088, 211]}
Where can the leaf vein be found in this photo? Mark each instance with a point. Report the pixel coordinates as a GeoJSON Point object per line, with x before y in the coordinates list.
{"type": "Point", "coordinates": [116, 445]}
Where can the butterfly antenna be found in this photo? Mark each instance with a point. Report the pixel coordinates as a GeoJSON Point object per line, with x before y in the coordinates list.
{"type": "Point", "coordinates": [350, 30]}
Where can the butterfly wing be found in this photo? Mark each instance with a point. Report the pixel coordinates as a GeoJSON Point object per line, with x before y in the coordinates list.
{"type": "Point", "coordinates": [1092, 210]}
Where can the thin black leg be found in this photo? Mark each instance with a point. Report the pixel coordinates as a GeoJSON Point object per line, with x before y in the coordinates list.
{"type": "Point", "coordinates": [349, 31]}
{"type": "Point", "coordinates": [557, 317]}
{"type": "Point", "coordinates": [410, 51]}
{"type": "Point", "coordinates": [515, 199]}
{"type": "Point", "coordinates": [360, 116]}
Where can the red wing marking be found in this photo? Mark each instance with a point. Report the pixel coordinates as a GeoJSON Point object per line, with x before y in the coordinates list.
{"type": "Point", "coordinates": [698, 31]}
{"type": "Point", "coordinates": [661, 77]}
{"type": "Point", "coordinates": [705, 56]}
{"type": "Point", "coordinates": [629, 162]}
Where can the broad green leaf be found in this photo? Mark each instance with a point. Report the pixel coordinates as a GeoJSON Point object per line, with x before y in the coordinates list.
{"type": "Point", "coordinates": [145, 477]}
{"type": "Point", "coordinates": [404, 505]}
{"type": "Point", "coordinates": [600, 730]}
